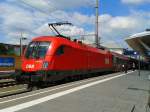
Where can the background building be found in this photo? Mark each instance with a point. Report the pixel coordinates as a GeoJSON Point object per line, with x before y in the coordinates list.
{"type": "Point", "coordinates": [10, 49]}
{"type": "Point", "coordinates": [140, 42]}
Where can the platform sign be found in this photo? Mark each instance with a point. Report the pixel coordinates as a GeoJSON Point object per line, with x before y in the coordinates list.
{"type": "Point", "coordinates": [130, 52]}
{"type": "Point", "coordinates": [7, 62]}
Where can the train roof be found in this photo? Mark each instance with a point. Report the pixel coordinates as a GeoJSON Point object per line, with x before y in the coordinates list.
{"type": "Point", "coordinates": [119, 55]}
{"type": "Point", "coordinates": [66, 41]}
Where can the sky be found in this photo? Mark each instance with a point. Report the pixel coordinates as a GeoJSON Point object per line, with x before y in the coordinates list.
{"type": "Point", "coordinates": [118, 19]}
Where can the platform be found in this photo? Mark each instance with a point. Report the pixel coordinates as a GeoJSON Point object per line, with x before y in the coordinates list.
{"type": "Point", "coordinates": [116, 92]}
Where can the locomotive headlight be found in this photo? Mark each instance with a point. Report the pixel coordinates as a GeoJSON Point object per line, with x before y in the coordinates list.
{"type": "Point", "coordinates": [45, 65]}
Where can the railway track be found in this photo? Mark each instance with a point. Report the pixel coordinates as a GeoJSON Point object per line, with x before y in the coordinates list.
{"type": "Point", "coordinates": [13, 90]}
{"type": "Point", "coordinates": [7, 82]}
{"type": "Point", "coordinates": [6, 74]}
{"type": "Point", "coordinates": [9, 87]}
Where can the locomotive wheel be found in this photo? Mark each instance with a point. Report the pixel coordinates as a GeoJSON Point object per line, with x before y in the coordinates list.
{"type": "Point", "coordinates": [33, 86]}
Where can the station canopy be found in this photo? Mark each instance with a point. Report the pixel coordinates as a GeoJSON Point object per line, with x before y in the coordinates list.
{"type": "Point", "coordinates": [140, 42]}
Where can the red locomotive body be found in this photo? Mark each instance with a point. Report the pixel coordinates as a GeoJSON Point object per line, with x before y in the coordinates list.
{"type": "Point", "coordinates": [49, 59]}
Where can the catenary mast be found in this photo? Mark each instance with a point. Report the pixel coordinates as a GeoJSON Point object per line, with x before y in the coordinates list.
{"type": "Point", "coordinates": [96, 24]}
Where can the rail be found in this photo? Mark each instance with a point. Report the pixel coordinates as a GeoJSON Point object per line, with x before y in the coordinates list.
{"type": "Point", "coordinates": [7, 82]}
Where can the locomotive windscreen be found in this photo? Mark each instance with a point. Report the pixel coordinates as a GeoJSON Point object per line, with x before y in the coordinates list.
{"type": "Point", "coordinates": [37, 49]}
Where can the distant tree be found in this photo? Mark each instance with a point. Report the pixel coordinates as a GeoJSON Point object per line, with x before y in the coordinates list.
{"type": "Point", "coordinates": [11, 50]}
{"type": "Point", "coordinates": [3, 49]}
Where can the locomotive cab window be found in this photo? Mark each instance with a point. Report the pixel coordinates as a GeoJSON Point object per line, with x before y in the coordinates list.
{"type": "Point", "coordinates": [37, 49]}
{"type": "Point", "coordinates": [60, 50]}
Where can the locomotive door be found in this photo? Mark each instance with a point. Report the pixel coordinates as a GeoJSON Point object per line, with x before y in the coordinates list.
{"type": "Point", "coordinates": [107, 60]}
{"type": "Point", "coordinates": [88, 60]}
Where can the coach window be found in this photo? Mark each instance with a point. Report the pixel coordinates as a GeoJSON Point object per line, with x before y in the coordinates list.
{"type": "Point", "coordinates": [60, 50]}
{"type": "Point", "coordinates": [114, 60]}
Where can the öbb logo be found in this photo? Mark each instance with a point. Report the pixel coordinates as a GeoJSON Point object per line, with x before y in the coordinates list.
{"type": "Point", "coordinates": [29, 66]}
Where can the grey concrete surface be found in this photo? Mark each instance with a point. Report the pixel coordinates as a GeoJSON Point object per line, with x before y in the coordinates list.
{"type": "Point", "coordinates": [122, 94]}
{"type": "Point", "coordinates": [117, 95]}
{"type": "Point", "coordinates": [29, 96]}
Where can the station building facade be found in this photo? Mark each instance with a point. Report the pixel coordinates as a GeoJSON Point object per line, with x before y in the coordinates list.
{"type": "Point", "coordinates": [9, 57]}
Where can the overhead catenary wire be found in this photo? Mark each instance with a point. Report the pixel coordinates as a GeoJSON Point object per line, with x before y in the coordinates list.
{"type": "Point", "coordinates": [46, 13]}
{"type": "Point", "coordinates": [22, 1]}
{"type": "Point", "coordinates": [42, 11]}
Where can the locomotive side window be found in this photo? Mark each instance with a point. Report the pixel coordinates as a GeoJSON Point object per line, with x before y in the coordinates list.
{"type": "Point", "coordinates": [114, 60]}
{"type": "Point", "coordinates": [60, 50]}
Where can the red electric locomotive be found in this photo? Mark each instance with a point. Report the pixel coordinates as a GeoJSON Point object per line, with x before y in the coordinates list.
{"type": "Point", "coordinates": [52, 58]}
{"type": "Point", "coordinates": [48, 59]}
